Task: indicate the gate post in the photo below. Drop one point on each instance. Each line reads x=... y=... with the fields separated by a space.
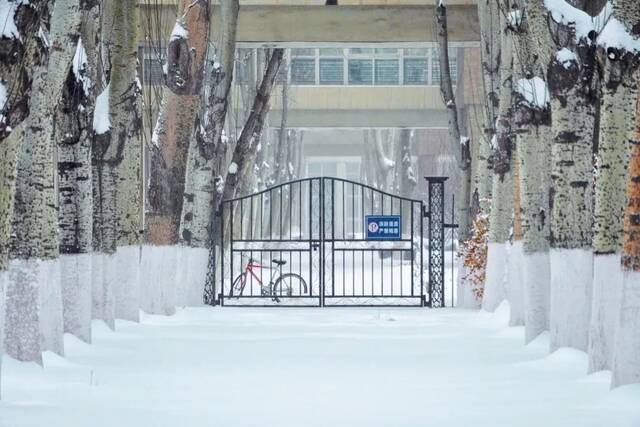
x=435 y=214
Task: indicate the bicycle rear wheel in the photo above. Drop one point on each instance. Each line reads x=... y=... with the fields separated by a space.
x=290 y=284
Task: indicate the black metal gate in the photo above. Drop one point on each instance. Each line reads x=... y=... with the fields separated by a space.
x=304 y=243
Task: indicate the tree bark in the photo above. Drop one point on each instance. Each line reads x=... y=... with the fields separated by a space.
x=33 y=294
x=116 y=170
x=245 y=151
x=186 y=54
x=532 y=124
x=489 y=17
x=626 y=366
x=503 y=186
x=207 y=152
x=74 y=137
x=571 y=67
x=617 y=109
x=459 y=144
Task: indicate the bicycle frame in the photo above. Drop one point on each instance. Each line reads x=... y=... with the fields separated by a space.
x=249 y=269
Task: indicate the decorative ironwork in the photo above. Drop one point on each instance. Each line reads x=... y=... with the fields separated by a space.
x=436 y=240
x=311 y=234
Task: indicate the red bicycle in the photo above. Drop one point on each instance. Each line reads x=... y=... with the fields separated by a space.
x=280 y=285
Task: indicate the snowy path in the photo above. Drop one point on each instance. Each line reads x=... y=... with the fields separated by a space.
x=313 y=367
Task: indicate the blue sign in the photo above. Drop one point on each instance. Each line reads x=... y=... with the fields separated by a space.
x=383 y=227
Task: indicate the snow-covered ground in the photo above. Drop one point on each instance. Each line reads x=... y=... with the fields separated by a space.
x=313 y=367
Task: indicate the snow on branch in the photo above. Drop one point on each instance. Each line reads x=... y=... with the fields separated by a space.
x=534 y=91
x=178 y=32
x=616 y=35
x=583 y=23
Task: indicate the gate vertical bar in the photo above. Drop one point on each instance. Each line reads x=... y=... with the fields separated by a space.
x=436 y=240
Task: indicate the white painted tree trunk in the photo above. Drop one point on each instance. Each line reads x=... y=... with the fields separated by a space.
x=35 y=211
x=74 y=136
x=117 y=171
x=205 y=158
x=571 y=66
x=533 y=127
x=502 y=190
x=617 y=110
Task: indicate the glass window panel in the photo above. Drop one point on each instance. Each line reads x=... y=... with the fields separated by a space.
x=303 y=52
x=360 y=51
x=360 y=71
x=387 y=72
x=415 y=71
x=416 y=52
x=153 y=73
x=331 y=71
x=386 y=51
x=331 y=52
x=303 y=71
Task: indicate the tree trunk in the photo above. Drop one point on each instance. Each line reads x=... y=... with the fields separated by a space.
x=244 y=155
x=532 y=122
x=514 y=278
x=19 y=55
x=33 y=293
x=619 y=92
x=207 y=151
x=503 y=186
x=186 y=54
x=626 y=365
x=459 y=144
x=74 y=136
x=489 y=17
x=570 y=66
x=116 y=170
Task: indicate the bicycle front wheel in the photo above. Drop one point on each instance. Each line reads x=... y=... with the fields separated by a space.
x=290 y=284
x=238 y=285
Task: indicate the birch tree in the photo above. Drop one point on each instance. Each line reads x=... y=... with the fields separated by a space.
x=532 y=123
x=489 y=18
x=502 y=189
x=618 y=63
x=21 y=50
x=33 y=300
x=563 y=40
x=116 y=170
x=186 y=53
x=626 y=365
x=74 y=137
x=205 y=158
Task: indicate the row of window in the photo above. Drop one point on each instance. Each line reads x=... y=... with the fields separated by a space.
x=358 y=66
x=333 y=66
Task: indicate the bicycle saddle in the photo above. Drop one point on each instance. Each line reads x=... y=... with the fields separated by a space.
x=279 y=261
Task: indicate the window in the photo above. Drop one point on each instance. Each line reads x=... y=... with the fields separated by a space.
x=153 y=58
x=303 y=71
x=387 y=72
x=435 y=66
x=416 y=66
x=331 y=71
x=303 y=66
x=360 y=71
